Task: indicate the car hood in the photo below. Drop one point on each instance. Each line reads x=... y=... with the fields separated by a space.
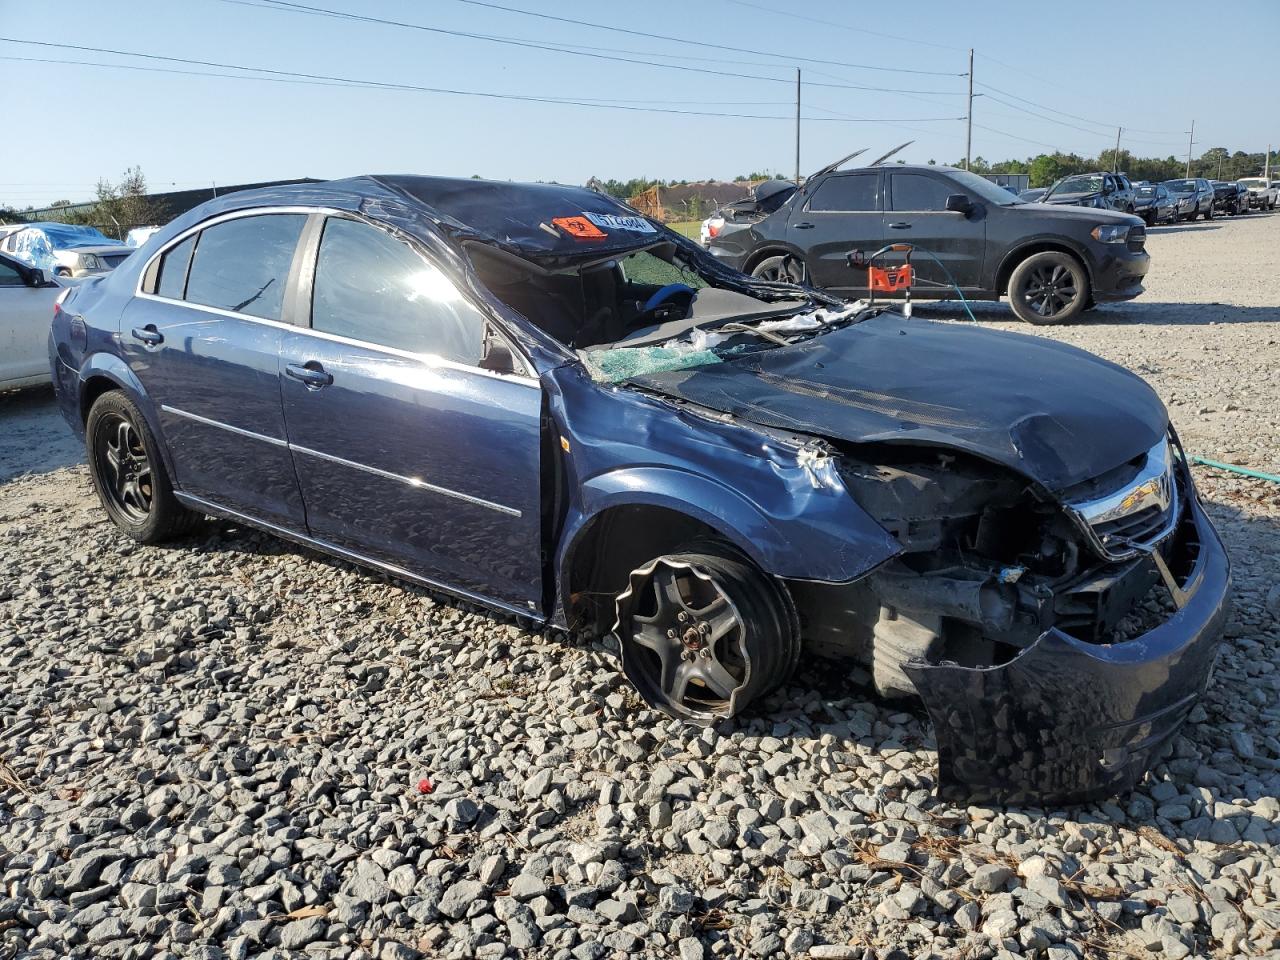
x=1069 y=211
x=1053 y=413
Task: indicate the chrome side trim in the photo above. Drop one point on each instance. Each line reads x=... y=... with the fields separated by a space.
x=239 y=431
x=386 y=474
x=409 y=481
x=325 y=547
x=428 y=358
x=222 y=218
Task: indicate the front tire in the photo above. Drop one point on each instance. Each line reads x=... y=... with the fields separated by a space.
x=780 y=269
x=1208 y=214
x=129 y=475
x=1050 y=287
x=703 y=634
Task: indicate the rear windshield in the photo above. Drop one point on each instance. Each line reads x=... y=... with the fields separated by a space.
x=1181 y=186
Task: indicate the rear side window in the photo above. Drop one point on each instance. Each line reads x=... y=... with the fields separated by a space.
x=912 y=191
x=371 y=287
x=848 y=192
x=242 y=265
x=173 y=269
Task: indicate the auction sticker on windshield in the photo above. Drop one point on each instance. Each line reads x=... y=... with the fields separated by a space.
x=614 y=222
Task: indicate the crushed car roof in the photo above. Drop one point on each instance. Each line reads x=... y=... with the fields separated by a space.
x=537 y=220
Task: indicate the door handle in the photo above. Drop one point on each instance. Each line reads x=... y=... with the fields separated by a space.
x=310 y=373
x=900 y=225
x=148 y=335
x=803 y=226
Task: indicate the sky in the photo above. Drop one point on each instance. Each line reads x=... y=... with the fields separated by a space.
x=1051 y=77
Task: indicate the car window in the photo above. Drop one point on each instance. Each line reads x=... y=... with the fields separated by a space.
x=848 y=192
x=173 y=269
x=913 y=191
x=9 y=275
x=644 y=267
x=243 y=264
x=372 y=287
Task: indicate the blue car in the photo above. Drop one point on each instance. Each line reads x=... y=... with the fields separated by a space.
x=532 y=397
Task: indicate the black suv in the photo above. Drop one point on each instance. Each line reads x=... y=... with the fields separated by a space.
x=1052 y=261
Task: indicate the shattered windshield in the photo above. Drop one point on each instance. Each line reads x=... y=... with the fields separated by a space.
x=1084 y=183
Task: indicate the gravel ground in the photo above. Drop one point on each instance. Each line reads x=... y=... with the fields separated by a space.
x=233 y=747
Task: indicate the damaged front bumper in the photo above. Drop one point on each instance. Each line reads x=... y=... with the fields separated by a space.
x=1067 y=721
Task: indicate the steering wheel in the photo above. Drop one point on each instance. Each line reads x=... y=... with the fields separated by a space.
x=667 y=303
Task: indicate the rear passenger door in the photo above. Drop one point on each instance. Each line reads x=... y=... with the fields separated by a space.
x=407 y=451
x=919 y=216
x=843 y=214
x=203 y=336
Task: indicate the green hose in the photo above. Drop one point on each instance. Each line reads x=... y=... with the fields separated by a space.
x=1218 y=465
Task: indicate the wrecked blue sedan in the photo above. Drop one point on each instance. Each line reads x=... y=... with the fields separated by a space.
x=531 y=397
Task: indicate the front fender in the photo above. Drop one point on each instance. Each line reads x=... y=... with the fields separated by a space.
x=807 y=527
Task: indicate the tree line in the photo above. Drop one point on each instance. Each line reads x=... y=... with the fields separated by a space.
x=115 y=209
x=1217 y=163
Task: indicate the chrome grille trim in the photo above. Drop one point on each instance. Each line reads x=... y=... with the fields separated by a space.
x=1138 y=515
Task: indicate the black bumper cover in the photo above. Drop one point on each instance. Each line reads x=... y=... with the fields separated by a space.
x=1067 y=721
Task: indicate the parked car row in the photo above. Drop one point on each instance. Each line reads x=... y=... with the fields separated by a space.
x=1167 y=202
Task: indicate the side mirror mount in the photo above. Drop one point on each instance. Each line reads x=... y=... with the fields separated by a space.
x=38 y=277
x=958 y=203
x=498 y=357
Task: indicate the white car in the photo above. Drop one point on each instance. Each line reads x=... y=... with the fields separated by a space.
x=27 y=295
x=1262 y=194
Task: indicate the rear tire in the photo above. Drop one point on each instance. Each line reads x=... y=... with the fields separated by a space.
x=780 y=269
x=129 y=475
x=702 y=634
x=1050 y=287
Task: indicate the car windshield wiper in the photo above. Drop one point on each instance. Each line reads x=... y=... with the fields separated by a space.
x=737 y=327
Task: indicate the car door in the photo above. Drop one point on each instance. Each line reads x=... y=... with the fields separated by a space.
x=917 y=214
x=843 y=214
x=25 y=315
x=203 y=336
x=408 y=453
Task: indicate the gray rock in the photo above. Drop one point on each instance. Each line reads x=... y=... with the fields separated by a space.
x=990 y=877
x=298 y=933
x=458 y=898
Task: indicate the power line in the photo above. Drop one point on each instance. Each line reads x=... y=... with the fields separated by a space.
x=700 y=43
x=286 y=76
x=1097 y=123
x=845 y=26
x=285 y=7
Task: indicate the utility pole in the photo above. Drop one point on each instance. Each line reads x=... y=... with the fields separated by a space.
x=1219 y=176
x=1190 y=141
x=968 y=120
x=797 y=126
x=1115 y=156
x=1266 y=164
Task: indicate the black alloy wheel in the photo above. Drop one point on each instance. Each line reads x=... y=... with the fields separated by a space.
x=780 y=269
x=701 y=635
x=129 y=475
x=1049 y=287
x=124 y=467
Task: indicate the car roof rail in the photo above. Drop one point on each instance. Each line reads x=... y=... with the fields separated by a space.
x=881 y=159
x=831 y=166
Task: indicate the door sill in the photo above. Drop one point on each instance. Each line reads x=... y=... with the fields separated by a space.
x=204 y=506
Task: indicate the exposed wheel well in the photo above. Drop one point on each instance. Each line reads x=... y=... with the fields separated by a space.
x=614 y=543
x=760 y=256
x=1012 y=260
x=94 y=387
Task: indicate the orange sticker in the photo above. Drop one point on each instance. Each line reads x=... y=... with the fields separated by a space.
x=580 y=228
